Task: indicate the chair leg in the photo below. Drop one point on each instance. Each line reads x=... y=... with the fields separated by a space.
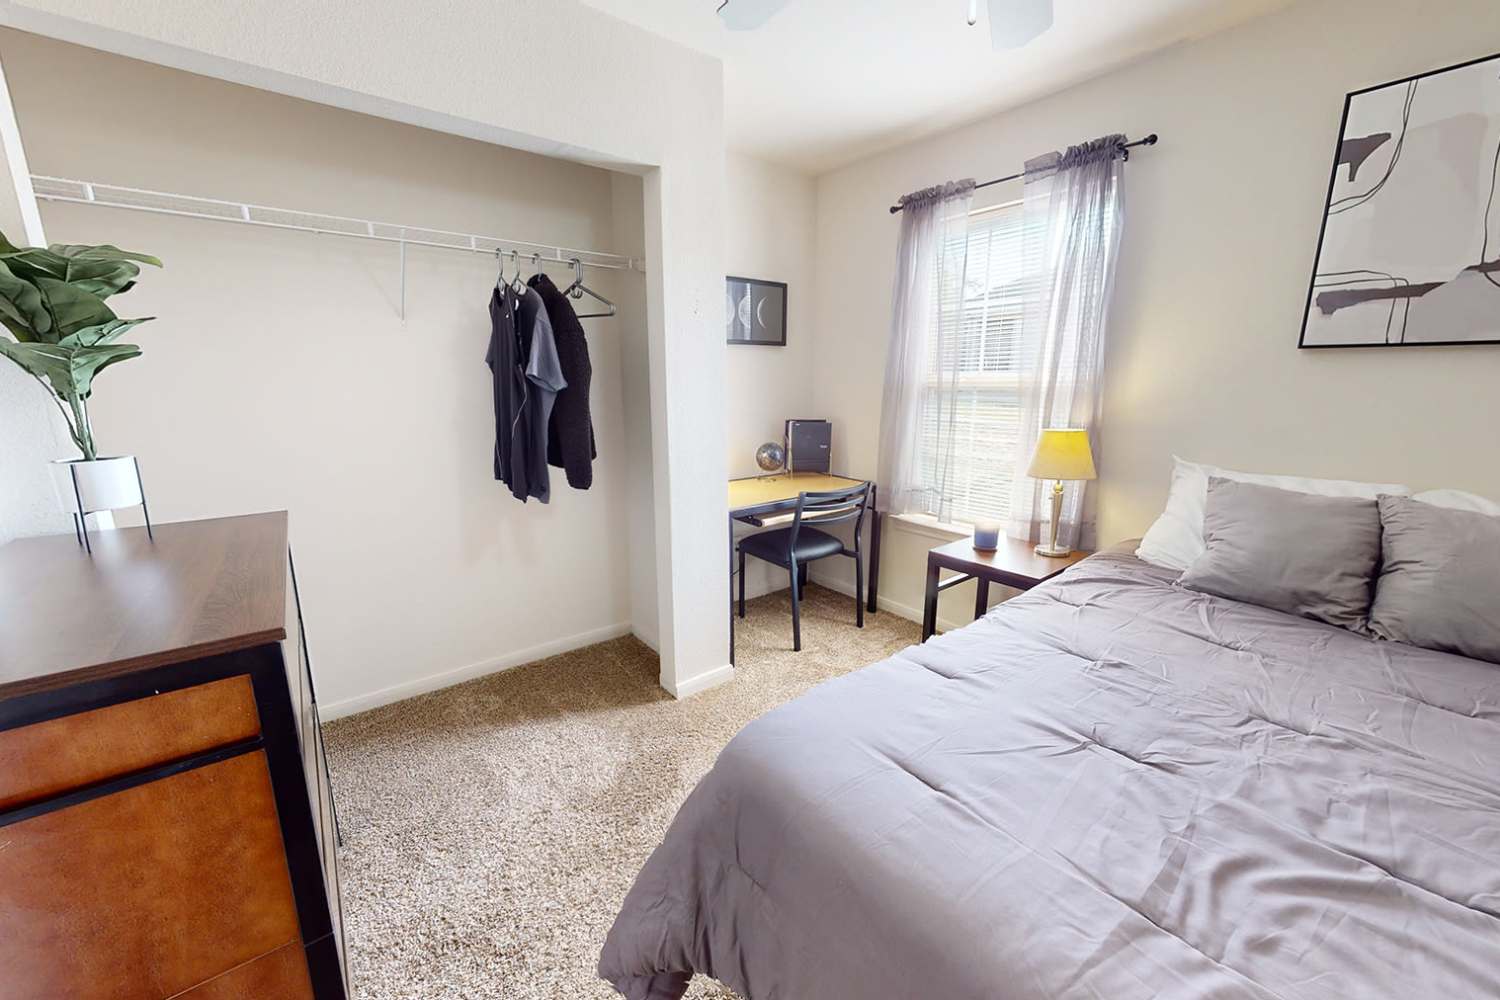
x=742 y=583
x=859 y=590
x=796 y=610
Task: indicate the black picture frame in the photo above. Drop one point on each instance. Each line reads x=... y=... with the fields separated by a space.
x=772 y=293
x=1328 y=202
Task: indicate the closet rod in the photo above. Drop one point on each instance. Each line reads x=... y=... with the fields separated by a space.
x=1124 y=152
x=194 y=207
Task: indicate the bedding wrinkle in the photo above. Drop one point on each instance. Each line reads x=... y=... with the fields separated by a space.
x=1107 y=787
x=1258 y=989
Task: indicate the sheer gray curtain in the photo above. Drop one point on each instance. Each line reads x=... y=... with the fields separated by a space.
x=1073 y=216
x=931 y=220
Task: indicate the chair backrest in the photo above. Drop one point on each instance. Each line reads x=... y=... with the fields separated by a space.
x=831 y=507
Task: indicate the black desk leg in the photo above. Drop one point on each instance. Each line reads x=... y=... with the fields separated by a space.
x=981 y=597
x=731 y=591
x=874 y=556
x=929 y=601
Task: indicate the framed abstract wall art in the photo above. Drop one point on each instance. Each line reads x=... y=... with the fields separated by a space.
x=1410 y=248
x=755 y=311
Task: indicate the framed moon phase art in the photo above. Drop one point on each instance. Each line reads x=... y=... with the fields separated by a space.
x=1410 y=248
x=755 y=311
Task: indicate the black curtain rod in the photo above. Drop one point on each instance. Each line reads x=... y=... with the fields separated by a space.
x=1125 y=148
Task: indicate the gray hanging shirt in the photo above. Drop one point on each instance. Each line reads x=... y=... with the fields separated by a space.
x=544 y=373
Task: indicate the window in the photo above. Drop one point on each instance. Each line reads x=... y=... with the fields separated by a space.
x=970 y=410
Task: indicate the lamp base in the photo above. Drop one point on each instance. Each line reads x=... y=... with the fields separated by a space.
x=1052 y=551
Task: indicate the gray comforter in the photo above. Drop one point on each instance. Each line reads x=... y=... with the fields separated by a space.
x=1109 y=788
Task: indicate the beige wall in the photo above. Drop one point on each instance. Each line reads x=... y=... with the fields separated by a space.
x=770 y=213
x=279 y=373
x=1221 y=228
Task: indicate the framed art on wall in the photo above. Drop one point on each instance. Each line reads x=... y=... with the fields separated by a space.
x=1409 y=253
x=755 y=311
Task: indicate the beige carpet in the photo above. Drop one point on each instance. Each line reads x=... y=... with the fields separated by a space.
x=492 y=829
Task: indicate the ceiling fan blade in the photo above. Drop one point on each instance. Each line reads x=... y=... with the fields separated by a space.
x=1013 y=23
x=747 y=15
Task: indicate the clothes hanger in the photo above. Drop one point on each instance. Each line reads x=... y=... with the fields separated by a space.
x=578 y=290
x=516 y=283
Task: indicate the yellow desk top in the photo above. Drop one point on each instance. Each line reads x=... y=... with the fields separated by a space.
x=759 y=490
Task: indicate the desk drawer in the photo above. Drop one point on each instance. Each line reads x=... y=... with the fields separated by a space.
x=48 y=758
x=147 y=892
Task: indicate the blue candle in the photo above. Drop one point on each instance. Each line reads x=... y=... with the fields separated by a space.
x=986 y=535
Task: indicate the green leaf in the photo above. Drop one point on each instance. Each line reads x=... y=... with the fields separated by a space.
x=104 y=333
x=103 y=277
x=21 y=331
x=102 y=252
x=87 y=362
x=30 y=262
x=46 y=361
x=70 y=370
x=24 y=306
x=71 y=306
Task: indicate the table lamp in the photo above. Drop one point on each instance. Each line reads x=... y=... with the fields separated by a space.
x=1062 y=455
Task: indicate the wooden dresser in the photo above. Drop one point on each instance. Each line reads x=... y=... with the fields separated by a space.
x=166 y=824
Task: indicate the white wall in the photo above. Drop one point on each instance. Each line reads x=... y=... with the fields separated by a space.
x=570 y=82
x=629 y=295
x=1222 y=225
x=35 y=432
x=279 y=374
x=770 y=215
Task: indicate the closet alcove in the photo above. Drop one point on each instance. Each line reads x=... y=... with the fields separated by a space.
x=374 y=429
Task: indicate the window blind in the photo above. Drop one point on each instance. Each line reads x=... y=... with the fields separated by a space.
x=971 y=401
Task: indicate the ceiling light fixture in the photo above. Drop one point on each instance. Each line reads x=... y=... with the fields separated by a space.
x=747 y=15
x=1013 y=23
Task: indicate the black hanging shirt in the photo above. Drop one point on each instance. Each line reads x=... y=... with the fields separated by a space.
x=504 y=359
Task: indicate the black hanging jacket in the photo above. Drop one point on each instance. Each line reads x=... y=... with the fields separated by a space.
x=570 y=436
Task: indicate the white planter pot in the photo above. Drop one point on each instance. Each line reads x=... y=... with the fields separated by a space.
x=103 y=484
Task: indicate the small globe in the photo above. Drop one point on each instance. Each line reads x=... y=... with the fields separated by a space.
x=770 y=456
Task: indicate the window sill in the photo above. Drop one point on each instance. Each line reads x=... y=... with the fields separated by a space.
x=926 y=524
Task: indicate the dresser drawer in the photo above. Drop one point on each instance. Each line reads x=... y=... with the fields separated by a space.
x=281 y=975
x=45 y=759
x=148 y=892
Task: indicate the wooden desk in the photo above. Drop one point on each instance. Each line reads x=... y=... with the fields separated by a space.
x=1013 y=564
x=759 y=499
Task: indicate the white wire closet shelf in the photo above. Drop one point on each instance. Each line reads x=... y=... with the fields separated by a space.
x=243 y=213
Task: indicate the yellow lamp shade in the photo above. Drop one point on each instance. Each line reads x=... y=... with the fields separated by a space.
x=1063 y=454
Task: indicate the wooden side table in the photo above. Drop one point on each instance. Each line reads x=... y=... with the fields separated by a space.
x=1013 y=564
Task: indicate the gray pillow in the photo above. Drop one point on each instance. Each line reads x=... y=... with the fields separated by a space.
x=1439 y=586
x=1306 y=555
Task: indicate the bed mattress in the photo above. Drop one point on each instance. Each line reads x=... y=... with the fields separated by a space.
x=1108 y=788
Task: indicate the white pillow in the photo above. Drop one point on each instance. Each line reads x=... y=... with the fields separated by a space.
x=1176 y=539
x=1458 y=500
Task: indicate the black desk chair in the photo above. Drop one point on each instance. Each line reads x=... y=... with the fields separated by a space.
x=794 y=547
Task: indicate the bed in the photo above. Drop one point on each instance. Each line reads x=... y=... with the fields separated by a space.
x=1107 y=788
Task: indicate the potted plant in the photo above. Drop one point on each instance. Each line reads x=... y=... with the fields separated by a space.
x=52 y=302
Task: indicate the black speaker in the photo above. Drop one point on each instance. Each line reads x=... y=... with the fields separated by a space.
x=809 y=446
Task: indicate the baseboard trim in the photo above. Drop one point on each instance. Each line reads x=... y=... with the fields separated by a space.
x=906 y=611
x=448 y=678
x=690 y=686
